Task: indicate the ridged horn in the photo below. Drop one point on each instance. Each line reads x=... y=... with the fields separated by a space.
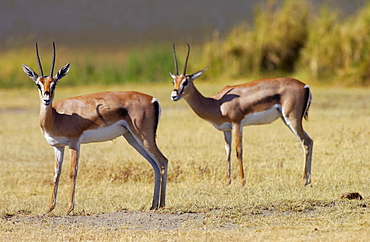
x=186 y=60
x=38 y=60
x=52 y=61
x=175 y=59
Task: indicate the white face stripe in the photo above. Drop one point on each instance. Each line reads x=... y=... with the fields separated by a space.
x=46 y=96
x=181 y=89
x=176 y=93
x=41 y=86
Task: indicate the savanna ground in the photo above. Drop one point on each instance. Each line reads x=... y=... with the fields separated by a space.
x=114 y=185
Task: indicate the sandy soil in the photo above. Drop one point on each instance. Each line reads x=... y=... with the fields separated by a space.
x=121 y=219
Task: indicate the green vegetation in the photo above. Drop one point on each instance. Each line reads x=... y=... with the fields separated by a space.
x=112 y=176
x=91 y=66
x=289 y=39
x=293 y=40
x=272 y=44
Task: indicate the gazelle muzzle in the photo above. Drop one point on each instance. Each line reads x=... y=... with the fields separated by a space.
x=175 y=95
x=46 y=98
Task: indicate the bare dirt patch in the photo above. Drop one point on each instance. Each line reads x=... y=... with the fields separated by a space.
x=133 y=220
x=173 y=220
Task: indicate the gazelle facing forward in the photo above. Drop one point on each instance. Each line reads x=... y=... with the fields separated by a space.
x=253 y=103
x=94 y=118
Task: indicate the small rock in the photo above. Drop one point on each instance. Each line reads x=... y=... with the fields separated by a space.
x=351 y=196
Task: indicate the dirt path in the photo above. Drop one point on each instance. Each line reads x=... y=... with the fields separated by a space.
x=122 y=219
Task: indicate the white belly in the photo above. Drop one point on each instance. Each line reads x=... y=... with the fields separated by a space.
x=54 y=140
x=264 y=117
x=93 y=135
x=104 y=134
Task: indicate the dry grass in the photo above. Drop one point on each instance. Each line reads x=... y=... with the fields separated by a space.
x=272 y=206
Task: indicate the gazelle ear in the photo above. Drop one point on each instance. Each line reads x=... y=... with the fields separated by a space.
x=172 y=75
x=30 y=73
x=197 y=74
x=62 y=72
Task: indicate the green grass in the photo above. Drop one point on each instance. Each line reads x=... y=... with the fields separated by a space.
x=287 y=39
x=90 y=65
x=324 y=46
x=271 y=206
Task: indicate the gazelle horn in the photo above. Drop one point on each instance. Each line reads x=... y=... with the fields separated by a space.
x=186 y=60
x=175 y=59
x=38 y=60
x=53 y=61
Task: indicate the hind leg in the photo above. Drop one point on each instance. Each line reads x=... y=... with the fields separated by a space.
x=238 y=133
x=295 y=125
x=227 y=137
x=161 y=161
x=153 y=155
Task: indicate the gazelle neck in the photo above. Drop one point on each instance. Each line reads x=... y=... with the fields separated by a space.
x=205 y=107
x=46 y=116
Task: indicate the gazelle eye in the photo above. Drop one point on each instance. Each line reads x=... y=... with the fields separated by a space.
x=185 y=83
x=52 y=86
x=39 y=86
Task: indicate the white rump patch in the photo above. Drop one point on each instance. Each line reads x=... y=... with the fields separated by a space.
x=159 y=107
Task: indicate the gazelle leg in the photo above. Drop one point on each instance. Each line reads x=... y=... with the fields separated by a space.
x=73 y=170
x=164 y=168
x=157 y=173
x=163 y=165
x=161 y=161
x=307 y=144
x=295 y=125
x=238 y=133
x=59 y=154
x=227 y=137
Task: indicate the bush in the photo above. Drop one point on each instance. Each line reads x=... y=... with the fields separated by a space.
x=291 y=39
x=273 y=44
x=339 y=48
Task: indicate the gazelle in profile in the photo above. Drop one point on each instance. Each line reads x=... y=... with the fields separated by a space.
x=94 y=118
x=253 y=103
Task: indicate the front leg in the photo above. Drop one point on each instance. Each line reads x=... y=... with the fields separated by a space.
x=238 y=132
x=227 y=137
x=74 y=153
x=59 y=154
